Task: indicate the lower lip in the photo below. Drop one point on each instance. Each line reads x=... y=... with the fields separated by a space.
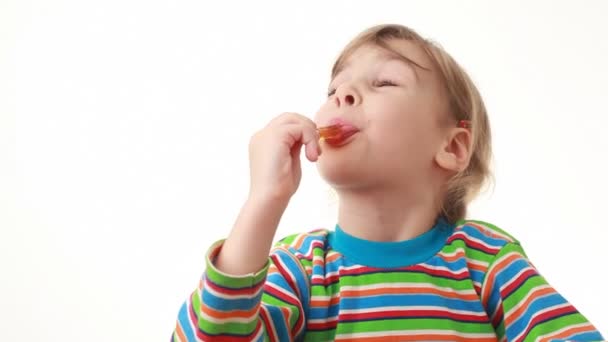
x=344 y=139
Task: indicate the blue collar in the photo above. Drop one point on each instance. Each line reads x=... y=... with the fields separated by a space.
x=391 y=254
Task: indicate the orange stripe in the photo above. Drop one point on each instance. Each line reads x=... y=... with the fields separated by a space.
x=477 y=267
x=569 y=332
x=180 y=332
x=407 y=290
x=286 y=315
x=490 y=232
x=458 y=255
x=297 y=243
x=485 y=296
x=517 y=313
x=228 y=314
x=333 y=257
x=329 y=259
x=324 y=303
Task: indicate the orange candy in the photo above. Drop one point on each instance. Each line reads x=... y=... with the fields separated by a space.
x=332 y=131
x=333 y=134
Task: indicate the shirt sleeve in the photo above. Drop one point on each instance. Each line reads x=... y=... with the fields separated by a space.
x=524 y=307
x=268 y=305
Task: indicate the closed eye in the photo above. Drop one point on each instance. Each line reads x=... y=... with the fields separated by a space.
x=379 y=83
x=384 y=83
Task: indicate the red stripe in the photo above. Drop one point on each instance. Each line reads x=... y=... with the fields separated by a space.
x=222 y=338
x=441 y=273
x=477 y=288
x=498 y=316
x=325 y=281
x=280 y=295
x=268 y=322
x=362 y=270
x=516 y=283
x=289 y=300
x=322 y=326
x=464 y=274
x=548 y=316
x=244 y=291
x=285 y=273
x=474 y=244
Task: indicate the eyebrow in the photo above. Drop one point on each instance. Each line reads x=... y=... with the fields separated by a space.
x=391 y=56
x=408 y=62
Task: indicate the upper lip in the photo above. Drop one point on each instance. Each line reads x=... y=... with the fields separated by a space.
x=341 y=121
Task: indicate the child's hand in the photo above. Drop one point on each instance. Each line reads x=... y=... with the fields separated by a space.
x=274 y=156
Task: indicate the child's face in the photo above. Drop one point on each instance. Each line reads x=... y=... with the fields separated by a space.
x=401 y=112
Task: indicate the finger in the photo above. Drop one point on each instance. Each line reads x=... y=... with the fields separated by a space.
x=307 y=136
x=290 y=118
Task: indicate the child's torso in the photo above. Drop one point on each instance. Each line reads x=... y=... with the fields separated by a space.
x=435 y=300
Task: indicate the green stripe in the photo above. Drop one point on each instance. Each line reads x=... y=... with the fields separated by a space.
x=273 y=301
x=316 y=336
x=556 y=324
x=235 y=282
x=410 y=277
x=469 y=252
x=524 y=289
x=414 y=324
x=232 y=328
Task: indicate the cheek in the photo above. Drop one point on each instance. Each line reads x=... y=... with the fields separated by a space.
x=395 y=115
x=406 y=128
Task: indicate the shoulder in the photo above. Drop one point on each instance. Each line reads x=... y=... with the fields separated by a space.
x=303 y=245
x=481 y=236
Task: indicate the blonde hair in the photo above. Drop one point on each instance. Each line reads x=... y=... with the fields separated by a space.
x=464 y=101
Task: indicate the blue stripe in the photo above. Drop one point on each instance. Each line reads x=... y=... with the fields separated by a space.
x=538 y=304
x=586 y=336
x=221 y=304
x=453 y=266
x=324 y=312
x=184 y=321
x=511 y=270
x=277 y=318
x=301 y=280
x=479 y=235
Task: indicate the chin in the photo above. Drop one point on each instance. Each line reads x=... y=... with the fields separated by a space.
x=343 y=170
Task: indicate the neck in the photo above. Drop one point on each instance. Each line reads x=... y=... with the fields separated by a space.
x=386 y=215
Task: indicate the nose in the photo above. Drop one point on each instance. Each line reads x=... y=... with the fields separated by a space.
x=347 y=96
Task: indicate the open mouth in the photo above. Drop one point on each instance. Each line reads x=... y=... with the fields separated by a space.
x=337 y=134
x=341 y=139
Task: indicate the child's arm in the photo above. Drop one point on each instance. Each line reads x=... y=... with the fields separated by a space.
x=267 y=305
x=524 y=307
x=227 y=305
x=275 y=172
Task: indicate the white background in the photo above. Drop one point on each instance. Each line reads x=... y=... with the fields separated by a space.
x=124 y=130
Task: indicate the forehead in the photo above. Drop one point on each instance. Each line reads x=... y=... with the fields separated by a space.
x=400 y=50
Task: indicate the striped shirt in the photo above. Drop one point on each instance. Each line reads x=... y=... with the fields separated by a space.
x=470 y=281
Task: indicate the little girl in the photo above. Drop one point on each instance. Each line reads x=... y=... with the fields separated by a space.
x=401 y=264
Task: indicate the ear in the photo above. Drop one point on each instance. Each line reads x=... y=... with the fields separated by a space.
x=455 y=152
